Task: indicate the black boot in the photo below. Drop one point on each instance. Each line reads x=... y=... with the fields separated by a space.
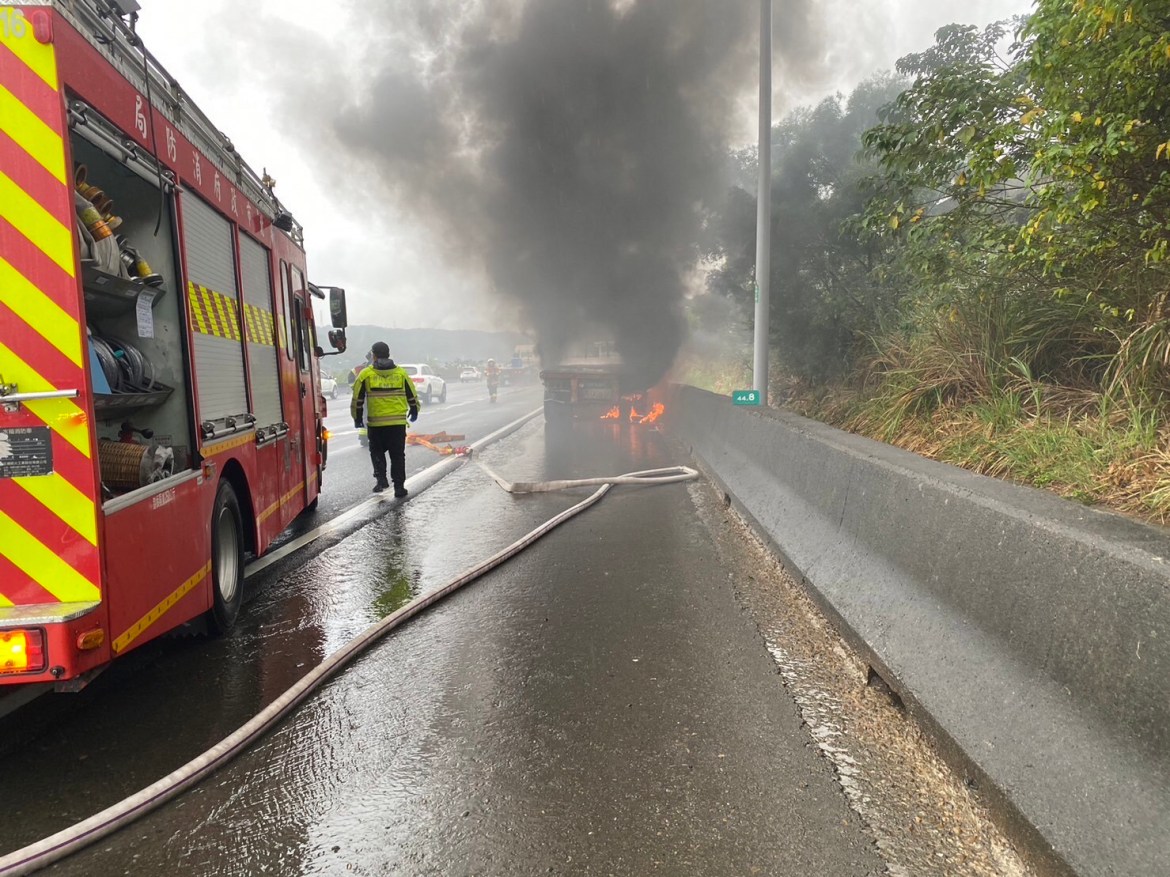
x=381 y=485
x=400 y=491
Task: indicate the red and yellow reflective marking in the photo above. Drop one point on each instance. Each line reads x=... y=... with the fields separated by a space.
x=213 y=312
x=48 y=523
x=39 y=59
x=32 y=135
x=48 y=318
x=138 y=627
x=284 y=500
x=216 y=314
x=65 y=501
x=38 y=561
x=212 y=450
x=260 y=325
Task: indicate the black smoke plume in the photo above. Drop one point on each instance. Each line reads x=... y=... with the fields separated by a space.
x=566 y=149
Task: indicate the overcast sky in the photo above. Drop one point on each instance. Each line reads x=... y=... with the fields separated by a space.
x=298 y=86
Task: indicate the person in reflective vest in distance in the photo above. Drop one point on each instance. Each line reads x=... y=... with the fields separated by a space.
x=491 y=371
x=387 y=395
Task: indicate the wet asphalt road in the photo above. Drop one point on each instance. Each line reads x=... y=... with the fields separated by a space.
x=599 y=705
x=348 y=472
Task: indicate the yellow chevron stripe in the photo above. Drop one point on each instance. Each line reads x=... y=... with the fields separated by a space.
x=39 y=562
x=158 y=611
x=197 y=309
x=235 y=327
x=4 y=601
x=208 y=299
x=62 y=415
x=36 y=224
x=263 y=334
x=247 y=312
x=220 y=304
x=31 y=134
x=255 y=324
x=37 y=56
x=261 y=326
x=40 y=312
x=66 y=502
x=214 y=321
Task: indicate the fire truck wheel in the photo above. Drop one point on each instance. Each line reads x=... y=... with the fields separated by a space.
x=227 y=560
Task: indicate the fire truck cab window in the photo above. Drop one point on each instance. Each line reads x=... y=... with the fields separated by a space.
x=286 y=300
x=303 y=342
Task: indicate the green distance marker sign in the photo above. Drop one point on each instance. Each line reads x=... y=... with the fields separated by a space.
x=745 y=397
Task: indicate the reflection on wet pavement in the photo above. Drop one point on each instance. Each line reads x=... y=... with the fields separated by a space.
x=597 y=705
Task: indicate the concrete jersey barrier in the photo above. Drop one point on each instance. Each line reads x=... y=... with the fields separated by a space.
x=1030 y=632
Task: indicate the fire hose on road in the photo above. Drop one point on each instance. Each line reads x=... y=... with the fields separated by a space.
x=68 y=841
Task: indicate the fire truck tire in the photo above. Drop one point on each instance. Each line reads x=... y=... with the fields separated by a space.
x=227 y=560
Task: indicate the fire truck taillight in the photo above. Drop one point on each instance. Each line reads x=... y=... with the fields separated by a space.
x=326 y=435
x=22 y=651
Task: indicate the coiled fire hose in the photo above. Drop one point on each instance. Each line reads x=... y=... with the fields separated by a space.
x=44 y=852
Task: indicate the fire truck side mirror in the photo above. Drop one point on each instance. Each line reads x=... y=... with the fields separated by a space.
x=337 y=312
x=337 y=339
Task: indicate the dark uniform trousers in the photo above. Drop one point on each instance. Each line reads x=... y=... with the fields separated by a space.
x=388 y=440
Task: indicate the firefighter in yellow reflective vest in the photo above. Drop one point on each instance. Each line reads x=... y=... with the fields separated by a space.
x=389 y=397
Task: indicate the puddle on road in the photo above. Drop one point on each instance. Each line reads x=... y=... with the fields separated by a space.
x=924 y=820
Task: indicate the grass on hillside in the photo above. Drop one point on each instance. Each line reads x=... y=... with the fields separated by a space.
x=1076 y=445
x=1067 y=441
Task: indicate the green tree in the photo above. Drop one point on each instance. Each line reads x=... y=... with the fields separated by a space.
x=825 y=292
x=951 y=195
x=1100 y=74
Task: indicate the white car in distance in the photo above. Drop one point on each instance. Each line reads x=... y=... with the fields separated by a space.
x=328 y=386
x=430 y=386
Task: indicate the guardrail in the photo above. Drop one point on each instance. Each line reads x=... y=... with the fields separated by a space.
x=1030 y=633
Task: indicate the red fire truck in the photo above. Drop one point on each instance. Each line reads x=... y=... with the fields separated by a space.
x=159 y=411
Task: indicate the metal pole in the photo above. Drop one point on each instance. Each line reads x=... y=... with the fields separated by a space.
x=764 y=208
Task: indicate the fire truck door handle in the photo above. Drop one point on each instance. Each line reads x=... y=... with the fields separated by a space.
x=10 y=399
x=303 y=390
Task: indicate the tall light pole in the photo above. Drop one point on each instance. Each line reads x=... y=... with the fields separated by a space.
x=764 y=208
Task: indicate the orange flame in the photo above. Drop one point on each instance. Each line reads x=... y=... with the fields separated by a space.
x=612 y=414
x=654 y=414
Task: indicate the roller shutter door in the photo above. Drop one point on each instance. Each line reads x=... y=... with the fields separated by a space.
x=211 y=291
x=260 y=330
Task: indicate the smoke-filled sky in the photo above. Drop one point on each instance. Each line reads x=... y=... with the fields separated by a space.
x=519 y=164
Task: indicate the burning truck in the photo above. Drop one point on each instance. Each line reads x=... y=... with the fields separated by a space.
x=595 y=388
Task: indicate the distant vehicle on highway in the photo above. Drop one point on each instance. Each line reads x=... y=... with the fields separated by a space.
x=428 y=384
x=328 y=386
x=469 y=374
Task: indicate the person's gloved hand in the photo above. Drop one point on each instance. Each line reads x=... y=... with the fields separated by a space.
x=357 y=423
x=413 y=415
